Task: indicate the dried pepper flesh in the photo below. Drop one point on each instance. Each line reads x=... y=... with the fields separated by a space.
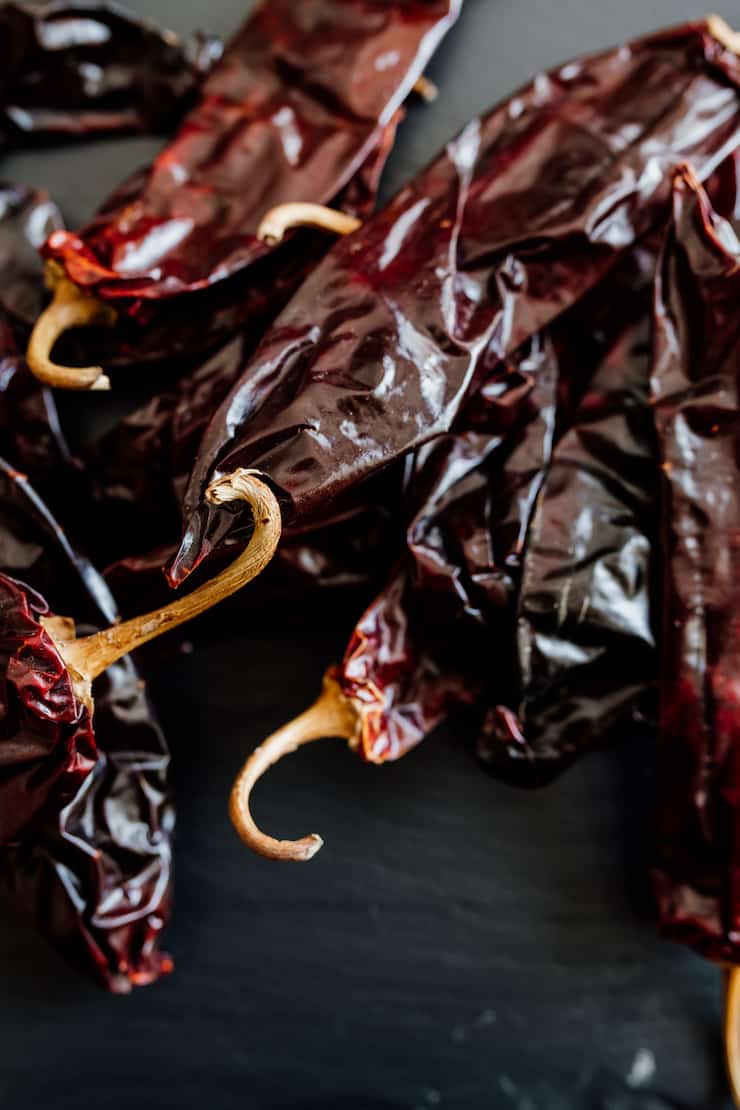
x=85 y=819
x=520 y=216
x=304 y=97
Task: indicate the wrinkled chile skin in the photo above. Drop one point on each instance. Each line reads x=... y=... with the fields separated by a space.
x=409 y=304
x=139 y=470
x=540 y=498
x=292 y=111
x=695 y=386
x=47 y=745
x=92 y=867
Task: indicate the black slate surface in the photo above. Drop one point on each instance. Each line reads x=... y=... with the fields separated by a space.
x=457 y=943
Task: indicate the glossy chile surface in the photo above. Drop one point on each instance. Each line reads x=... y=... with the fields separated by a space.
x=695 y=387
x=93 y=870
x=523 y=213
x=48 y=673
x=77 y=69
x=486 y=505
x=139 y=470
x=30 y=431
x=302 y=98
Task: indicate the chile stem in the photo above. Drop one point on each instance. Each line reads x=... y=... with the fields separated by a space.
x=70 y=308
x=277 y=221
x=732 y=1031
x=720 y=30
x=330 y=715
x=89 y=657
x=426 y=89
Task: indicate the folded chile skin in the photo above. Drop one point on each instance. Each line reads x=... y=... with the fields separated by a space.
x=302 y=98
x=585 y=658
x=83 y=69
x=524 y=212
x=695 y=386
x=139 y=470
x=47 y=744
x=522 y=523
x=92 y=863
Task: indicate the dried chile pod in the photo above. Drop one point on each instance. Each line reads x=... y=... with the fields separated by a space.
x=30 y=430
x=440 y=634
x=94 y=874
x=47 y=673
x=585 y=661
x=82 y=69
x=697 y=413
x=302 y=97
x=524 y=212
x=139 y=470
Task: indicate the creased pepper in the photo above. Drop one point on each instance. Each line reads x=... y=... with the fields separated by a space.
x=304 y=96
x=520 y=216
x=695 y=387
x=528 y=528
x=93 y=869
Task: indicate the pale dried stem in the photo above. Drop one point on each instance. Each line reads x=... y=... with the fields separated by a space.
x=732 y=1031
x=426 y=89
x=70 y=308
x=720 y=30
x=332 y=714
x=89 y=657
x=277 y=221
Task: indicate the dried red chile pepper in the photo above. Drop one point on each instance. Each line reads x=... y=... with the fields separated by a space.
x=295 y=108
x=514 y=222
x=94 y=869
x=551 y=459
x=84 y=819
x=76 y=69
x=697 y=413
x=695 y=386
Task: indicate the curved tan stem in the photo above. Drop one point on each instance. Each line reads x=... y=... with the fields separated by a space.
x=732 y=1031
x=277 y=221
x=720 y=30
x=426 y=89
x=70 y=308
x=330 y=715
x=89 y=657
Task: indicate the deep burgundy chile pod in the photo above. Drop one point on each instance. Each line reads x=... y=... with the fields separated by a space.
x=304 y=95
x=695 y=387
x=485 y=506
x=85 y=815
x=82 y=766
x=521 y=214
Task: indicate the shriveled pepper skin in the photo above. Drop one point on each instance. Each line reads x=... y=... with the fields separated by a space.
x=139 y=470
x=85 y=819
x=524 y=212
x=695 y=382
x=302 y=98
x=585 y=662
x=524 y=576
x=47 y=745
x=82 y=69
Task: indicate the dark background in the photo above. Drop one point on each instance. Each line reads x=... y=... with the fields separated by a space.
x=457 y=943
